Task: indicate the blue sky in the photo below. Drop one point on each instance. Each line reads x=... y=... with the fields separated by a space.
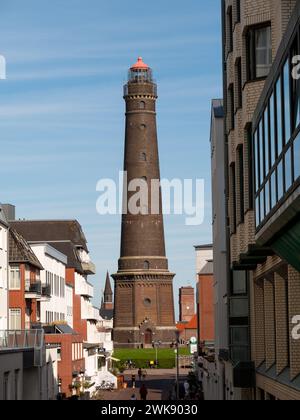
x=62 y=111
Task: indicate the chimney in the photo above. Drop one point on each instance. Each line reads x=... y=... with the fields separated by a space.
x=9 y=211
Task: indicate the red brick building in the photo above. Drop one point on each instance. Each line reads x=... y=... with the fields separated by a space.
x=186 y=303
x=205 y=295
x=25 y=288
x=188 y=329
x=71 y=362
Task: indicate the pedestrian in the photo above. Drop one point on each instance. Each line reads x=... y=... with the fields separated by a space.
x=133 y=380
x=186 y=388
x=140 y=374
x=143 y=392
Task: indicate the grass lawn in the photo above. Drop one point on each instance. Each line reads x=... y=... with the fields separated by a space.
x=141 y=357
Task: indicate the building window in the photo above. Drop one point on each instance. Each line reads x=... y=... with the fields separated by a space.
x=231 y=121
x=233 y=198
x=278 y=93
x=250 y=167
x=287 y=101
x=238 y=10
x=239 y=283
x=259 y=48
x=14 y=278
x=15 y=321
x=230 y=30
x=146 y=265
x=17 y=381
x=143 y=157
x=297 y=157
x=239 y=82
x=142 y=105
x=6 y=386
x=147 y=302
x=241 y=200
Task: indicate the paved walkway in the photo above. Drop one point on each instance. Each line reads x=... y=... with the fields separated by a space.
x=158 y=382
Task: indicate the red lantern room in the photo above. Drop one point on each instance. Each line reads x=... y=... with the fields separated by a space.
x=140 y=73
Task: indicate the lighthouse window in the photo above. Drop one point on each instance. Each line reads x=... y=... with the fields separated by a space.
x=143 y=126
x=147 y=302
x=142 y=105
x=146 y=265
x=144 y=157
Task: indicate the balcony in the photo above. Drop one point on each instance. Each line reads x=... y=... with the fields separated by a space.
x=33 y=290
x=91 y=314
x=86 y=290
x=31 y=342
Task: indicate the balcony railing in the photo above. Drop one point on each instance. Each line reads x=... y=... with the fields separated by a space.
x=24 y=340
x=34 y=288
x=46 y=290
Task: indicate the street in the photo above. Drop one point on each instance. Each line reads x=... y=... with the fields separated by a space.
x=159 y=382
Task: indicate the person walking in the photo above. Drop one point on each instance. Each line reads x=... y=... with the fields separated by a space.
x=186 y=388
x=140 y=374
x=143 y=392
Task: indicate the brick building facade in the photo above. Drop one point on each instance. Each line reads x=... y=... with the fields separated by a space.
x=253 y=31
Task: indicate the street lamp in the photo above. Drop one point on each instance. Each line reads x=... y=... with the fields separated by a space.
x=156 y=345
x=177 y=364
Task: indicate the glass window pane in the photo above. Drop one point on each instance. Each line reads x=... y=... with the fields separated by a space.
x=262 y=205
x=266 y=137
x=239 y=280
x=279 y=117
x=239 y=335
x=287 y=107
x=257 y=211
x=273 y=190
x=256 y=146
x=288 y=169
x=280 y=180
x=267 y=197
x=263 y=54
x=297 y=157
x=261 y=153
x=272 y=129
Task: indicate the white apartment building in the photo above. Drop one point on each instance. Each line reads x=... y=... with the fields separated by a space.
x=3 y=271
x=56 y=308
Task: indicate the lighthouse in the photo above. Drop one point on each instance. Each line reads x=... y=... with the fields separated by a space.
x=144 y=302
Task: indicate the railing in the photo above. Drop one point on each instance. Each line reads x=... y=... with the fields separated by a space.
x=35 y=287
x=24 y=340
x=46 y=290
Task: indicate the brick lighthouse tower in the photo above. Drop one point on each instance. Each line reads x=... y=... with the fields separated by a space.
x=144 y=304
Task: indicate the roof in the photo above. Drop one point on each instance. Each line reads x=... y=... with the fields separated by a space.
x=59 y=329
x=107 y=314
x=108 y=289
x=20 y=251
x=51 y=230
x=64 y=235
x=207 y=246
x=191 y=325
x=208 y=268
x=139 y=65
x=2 y=217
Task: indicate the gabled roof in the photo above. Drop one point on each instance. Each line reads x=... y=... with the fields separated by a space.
x=64 y=235
x=52 y=230
x=191 y=325
x=20 y=251
x=3 y=220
